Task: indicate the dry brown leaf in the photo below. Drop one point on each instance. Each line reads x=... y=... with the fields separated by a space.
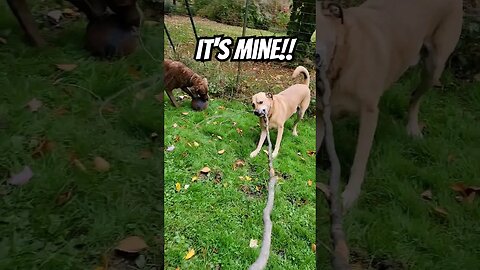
x=221 y=107
x=471 y=197
x=101 y=165
x=196 y=144
x=309 y=182
x=175 y=125
x=145 y=154
x=131 y=244
x=63 y=198
x=205 y=170
x=134 y=73
x=60 y=111
x=3 y=41
x=440 y=211
x=34 y=104
x=238 y=164
x=66 y=67
x=311 y=153
x=185 y=113
x=314 y=247
x=239 y=131
x=221 y=152
x=253 y=243
x=427 y=195
x=79 y=165
x=176 y=139
x=190 y=254
x=43 y=147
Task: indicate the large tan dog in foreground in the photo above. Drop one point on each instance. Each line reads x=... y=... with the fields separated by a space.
x=280 y=107
x=367 y=48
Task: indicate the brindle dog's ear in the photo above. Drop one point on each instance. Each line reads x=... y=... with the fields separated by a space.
x=269 y=95
x=336 y=10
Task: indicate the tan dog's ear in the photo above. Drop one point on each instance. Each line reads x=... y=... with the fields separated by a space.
x=336 y=10
x=269 y=95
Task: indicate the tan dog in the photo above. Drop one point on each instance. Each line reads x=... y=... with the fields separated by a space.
x=279 y=108
x=367 y=48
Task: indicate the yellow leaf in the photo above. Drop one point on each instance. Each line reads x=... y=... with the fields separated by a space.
x=190 y=254
x=248 y=178
x=185 y=113
x=196 y=144
x=219 y=137
x=178 y=186
x=221 y=152
x=194 y=178
x=309 y=183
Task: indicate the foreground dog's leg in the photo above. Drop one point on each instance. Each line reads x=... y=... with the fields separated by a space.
x=263 y=136
x=277 y=143
x=320 y=133
x=299 y=117
x=172 y=98
x=24 y=16
x=368 y=124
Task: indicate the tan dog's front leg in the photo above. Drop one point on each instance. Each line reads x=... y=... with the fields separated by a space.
x=277 y=143
x=368 y=124
x=263 y=136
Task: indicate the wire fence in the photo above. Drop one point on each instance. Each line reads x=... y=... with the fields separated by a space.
x=238 y=18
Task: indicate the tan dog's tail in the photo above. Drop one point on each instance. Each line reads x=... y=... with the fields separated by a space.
x=303 y=70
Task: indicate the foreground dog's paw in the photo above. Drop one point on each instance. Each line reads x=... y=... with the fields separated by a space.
x=254 y=154
x=274 y=154
x=349 y=197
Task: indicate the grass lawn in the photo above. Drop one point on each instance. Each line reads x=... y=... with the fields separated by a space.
x=219 y=214
x=65 y=217
x=392 y=225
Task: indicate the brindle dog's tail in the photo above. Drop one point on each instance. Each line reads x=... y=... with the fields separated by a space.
x=305 y=73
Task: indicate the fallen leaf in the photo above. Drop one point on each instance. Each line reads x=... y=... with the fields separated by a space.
x=55 y=15
x=178 y=268
x=140 y=95
x=239 y=131
x=63 y=198
x=253 y=243
x=131 y=244
x=309 y=182
x=178 y=187
x=186 y=186
x=145 y=154
x=66 y=67
x=3 y=41
x=248 y=178
x=134 y=73
x=190 y=254
x=34 y=104
x=265 y=151
x=175 y=125
x=79 y=165
x=441 y=211
x=176 y=139
x=140 y=261
x=221 y=152
x=311 y=153
x=205 y=170
x=22 y=177
x=185 y=113
x=325 y=189
x=170 y=148
x=238 y=164
x=314 y=248
x=221 y=108
x=234 y=123
x=60 y=111
x=471 y=197
x=194 y=178
x=427 y=195
x=101 y=165
x=219 y=137
x=43 y=147
x=69 y=11
x=450 y=158
x=196 y=144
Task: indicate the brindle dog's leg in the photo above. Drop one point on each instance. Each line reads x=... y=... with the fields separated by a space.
x=171 y=97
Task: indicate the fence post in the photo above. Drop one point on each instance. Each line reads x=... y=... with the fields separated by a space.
x=243 y=34
x=187 y=5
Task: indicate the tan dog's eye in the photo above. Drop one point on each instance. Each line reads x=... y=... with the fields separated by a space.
x=260 y=102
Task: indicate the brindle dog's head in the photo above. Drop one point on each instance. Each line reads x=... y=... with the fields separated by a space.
x=261 y=103
x=329 y=21
x=200 y=88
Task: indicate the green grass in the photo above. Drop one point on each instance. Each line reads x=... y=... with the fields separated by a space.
x=104 y=207
x=391 y=222
x=218 y=217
